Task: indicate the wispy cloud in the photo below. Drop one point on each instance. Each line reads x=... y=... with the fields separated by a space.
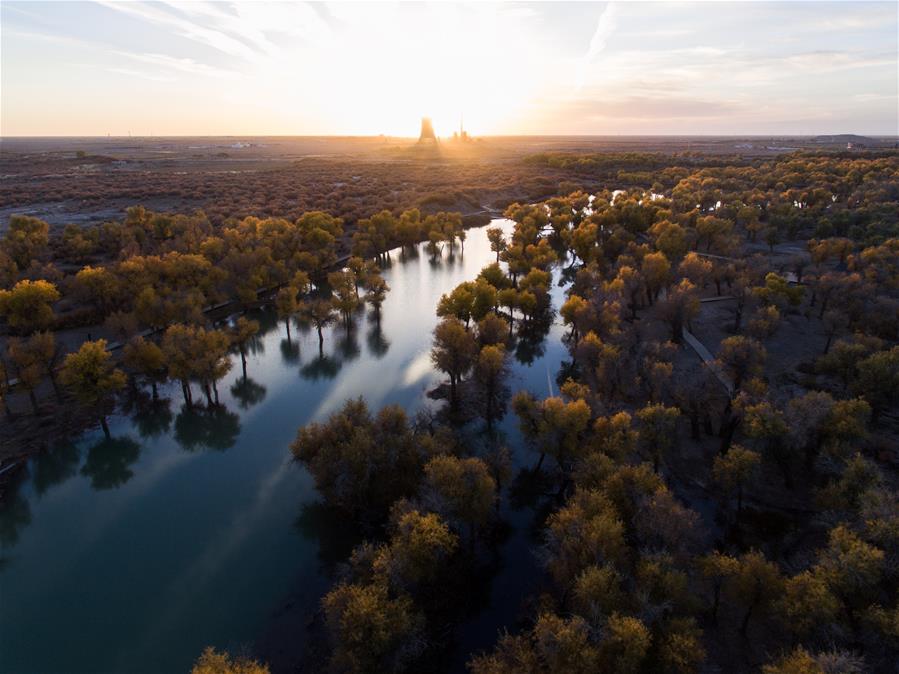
x=186 y=65
x=182 y=27
x=605 y=26
x=140 y=74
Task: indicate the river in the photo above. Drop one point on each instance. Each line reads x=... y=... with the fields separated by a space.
x=190 y=529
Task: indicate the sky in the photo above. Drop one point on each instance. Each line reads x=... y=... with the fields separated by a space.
x=292 y=68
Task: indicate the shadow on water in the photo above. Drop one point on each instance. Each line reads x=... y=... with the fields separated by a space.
x=206 y=428
x=108 y=463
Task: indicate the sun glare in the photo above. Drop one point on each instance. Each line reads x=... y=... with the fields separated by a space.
x=385 y=73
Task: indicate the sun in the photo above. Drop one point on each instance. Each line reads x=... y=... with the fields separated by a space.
x=384 y=75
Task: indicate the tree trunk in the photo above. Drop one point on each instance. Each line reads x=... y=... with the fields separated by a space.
x=155 y=391
x=105 y=426
x=243 y=363
x=287 y=325
x=33 y=402
x=208 y=392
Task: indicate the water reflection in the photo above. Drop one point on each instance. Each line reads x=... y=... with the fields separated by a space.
x=329 y=528
x=290 y=351
x=15 y=516
x=210 y=428
x=248 y=392
x=226 y=534
x=108 y=463
x=153 y=419
x=322 y=367
x=55 y=466
x=377 y=341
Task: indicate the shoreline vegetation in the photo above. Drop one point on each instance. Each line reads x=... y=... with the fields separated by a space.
x=682 y=524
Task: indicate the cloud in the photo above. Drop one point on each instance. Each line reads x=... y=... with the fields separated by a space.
x=141 y=74
x=186 y=65
x=653 y=108
x=830 y=60
x=183 y=27
x=605 y=26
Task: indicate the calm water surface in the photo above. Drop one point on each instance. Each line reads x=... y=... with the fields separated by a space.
x=191 y=529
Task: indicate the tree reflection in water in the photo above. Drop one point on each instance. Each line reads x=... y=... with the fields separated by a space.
x=108 y=463
x=212 y=428
x=323 y=367
x=335 y=534
x=15 y=515
x=248 y=392
x=348 y=344
x=290 y=351
x=55 y=466
x=531 y=338
x=377 y=342
x=153 y=419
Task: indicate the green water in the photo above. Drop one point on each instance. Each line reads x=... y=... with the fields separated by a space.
x=194 y=529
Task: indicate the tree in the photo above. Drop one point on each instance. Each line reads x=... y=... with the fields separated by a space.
x=492 y=330
x=625 y=644
x=575 y=312
x=420 y=546
x=39 y=351
x=655 y=270
x=346 y=301
x=851 y=568
x=454 y=352
x=734 y=470
x=286 y=304
x=756 y=584
x=90 y=374
x=878 y=379
x=497 y=240
x=321 y=313
x=213 y=363
x=376 y=292
x=490 y=371
x=98 y=286
x=362 y=463
x=680 y=307
x=460 y=490
x=741 y=357
x=717 y=569
x=28 y=306
x=147 y=359
x=213 y=662
x=658 y=431
x=26 y=238
x=370 y=630
x=587 y=531
x=807 y=603
x=553 y=426
x=242 y=334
